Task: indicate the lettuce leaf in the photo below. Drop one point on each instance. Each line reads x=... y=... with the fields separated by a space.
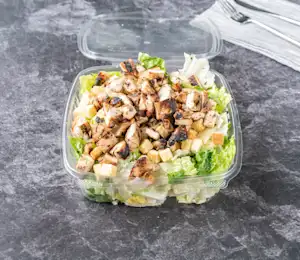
x=221 y=96
x=179 y=168
x=78 y=145
x=216 y=160
x=87 y=82
x=149 y=62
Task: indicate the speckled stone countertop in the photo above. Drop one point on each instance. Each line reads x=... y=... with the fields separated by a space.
x=43 y=214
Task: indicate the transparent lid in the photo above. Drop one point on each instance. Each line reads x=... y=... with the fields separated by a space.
x=116 y=37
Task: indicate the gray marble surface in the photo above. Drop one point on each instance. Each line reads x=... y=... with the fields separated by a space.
x=44 y=216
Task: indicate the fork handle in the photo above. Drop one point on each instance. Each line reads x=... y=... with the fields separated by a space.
x=275 y=32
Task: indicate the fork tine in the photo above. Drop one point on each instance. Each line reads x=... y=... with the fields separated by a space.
x=230 y=6
x=225 y=7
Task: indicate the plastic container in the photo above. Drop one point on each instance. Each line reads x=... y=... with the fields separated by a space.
x=119 y=37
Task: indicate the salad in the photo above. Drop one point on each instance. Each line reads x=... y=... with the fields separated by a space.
x=139 y=132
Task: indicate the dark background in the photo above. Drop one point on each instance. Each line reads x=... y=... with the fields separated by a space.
x=42 y=212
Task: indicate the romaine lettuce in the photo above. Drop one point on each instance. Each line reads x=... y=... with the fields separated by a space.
x=149 y=62
x=78 y=145
x=216 y=160
x=221 y=96
x=87 y=82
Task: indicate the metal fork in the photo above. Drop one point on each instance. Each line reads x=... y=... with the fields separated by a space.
x=239 y=17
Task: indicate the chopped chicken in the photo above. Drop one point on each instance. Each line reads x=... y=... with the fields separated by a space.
x=119 y=130
x=179 y=135
x=101 y=78
x=116 y=101
x=146 y=88
x=115 y=84
x=128 y=111
x=128 y=67
x=132 y=137
x=149 y=106
x=210 y=119
x=197 y=116
x=167 y=108
x=107 y=142
x=130 y=86
x=183 y=122
x=142 y=103
x=85 y=163
x=142 y=167
x=152 y=134
x=109 y=159
x=181 y=97
x=120 y=150
x=135 y=98
x=160 y=144
x=165 y=92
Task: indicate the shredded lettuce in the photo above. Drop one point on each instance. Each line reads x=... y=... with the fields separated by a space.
x=87 y=82
x=179 y=168
x=133 y=156
x=216 y=160
x=221 y=96
x=149 y=62
x=78 y=145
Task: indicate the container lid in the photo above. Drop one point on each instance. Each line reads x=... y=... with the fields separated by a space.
x=117 y=37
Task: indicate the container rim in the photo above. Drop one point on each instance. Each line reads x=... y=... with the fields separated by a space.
x=221 y=179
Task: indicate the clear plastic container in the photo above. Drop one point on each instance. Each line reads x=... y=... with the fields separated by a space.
x=157 y=38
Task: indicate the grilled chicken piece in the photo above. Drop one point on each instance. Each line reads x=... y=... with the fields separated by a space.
x=165 y=92
x=187 y=122
x=112 y=115
x=146 y=88
x=135 y=98
x=120 y=150
x=123 y=97
x=97 y=132
x=180 y=134
x=197 y=116
x=210 y=105
x=149 y=106
x=76 y=127
x=140 y=68
x=142 y=167
x=154 y=84
x=116 y=101
x=167 y=123
x=102 y=97
x=142 y=103
x=101 y=78
x=157 y=110
x=194 y=80
x=128 y=67
x=130 y=86
x=107 y=142
x=132 y=137
x=156 y=73
x=203 y=99
x=141 y=120
x=192 y=100
x=181 y=97
x=167 y=108
x=85 y=163
x=159 y=144
x=115 y=84
x=88 y=148
x=178 y=115
x=119 y=130
x=128 y=111
x=152 y=134
x=210 y=119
